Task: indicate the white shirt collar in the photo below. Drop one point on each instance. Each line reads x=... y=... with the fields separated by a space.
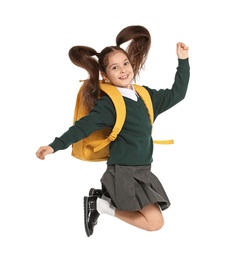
x=129 y=93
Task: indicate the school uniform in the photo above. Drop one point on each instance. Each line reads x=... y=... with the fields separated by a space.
x=128 y=179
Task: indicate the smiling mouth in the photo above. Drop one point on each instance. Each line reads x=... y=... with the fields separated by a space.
x=124 y=77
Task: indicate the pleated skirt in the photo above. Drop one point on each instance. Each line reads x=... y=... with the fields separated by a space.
x=133 y=187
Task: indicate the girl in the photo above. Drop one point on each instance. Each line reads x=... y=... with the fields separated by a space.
x=130 y=191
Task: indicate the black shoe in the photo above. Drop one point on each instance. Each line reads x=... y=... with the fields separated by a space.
x=95 y=192
x=90 y=214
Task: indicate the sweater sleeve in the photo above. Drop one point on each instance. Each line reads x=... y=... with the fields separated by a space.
x=164 y=99
x=102 y=115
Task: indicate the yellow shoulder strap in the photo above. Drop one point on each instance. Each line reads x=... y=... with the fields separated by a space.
x=120 y=109
x=143 y=93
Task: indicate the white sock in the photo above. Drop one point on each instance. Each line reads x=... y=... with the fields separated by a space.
x=106 y=198
x=103 y=206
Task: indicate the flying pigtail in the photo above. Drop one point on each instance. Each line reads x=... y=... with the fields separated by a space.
x=138 y=47
x=82 y=56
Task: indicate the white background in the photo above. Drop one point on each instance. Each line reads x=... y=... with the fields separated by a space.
x=41 y=211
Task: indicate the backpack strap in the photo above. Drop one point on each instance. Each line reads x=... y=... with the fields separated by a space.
x=144 y=94
x=120 y=109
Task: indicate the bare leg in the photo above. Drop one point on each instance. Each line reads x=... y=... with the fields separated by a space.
x=150 y=218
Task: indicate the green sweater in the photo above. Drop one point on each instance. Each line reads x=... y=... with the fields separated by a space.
x=134 y=144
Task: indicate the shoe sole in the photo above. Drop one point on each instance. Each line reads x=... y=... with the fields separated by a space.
x=85 y=206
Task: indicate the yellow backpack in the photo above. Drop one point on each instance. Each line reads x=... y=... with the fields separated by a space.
x=95 y=147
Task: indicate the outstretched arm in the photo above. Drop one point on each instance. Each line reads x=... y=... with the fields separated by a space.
x=182 y=51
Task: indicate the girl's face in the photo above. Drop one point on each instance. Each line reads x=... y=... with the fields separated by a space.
x=119 y=70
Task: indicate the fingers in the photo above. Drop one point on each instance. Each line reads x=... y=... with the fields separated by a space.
x=182 y=50
x=181 y=45
x=43 y=151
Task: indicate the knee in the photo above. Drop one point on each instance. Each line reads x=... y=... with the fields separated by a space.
x=156 y=225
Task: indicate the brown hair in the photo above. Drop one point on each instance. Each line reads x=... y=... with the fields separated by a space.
x=85 y=57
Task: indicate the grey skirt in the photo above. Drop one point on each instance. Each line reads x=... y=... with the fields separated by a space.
x=133 y=187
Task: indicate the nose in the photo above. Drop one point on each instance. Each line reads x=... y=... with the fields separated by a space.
x=123 y=69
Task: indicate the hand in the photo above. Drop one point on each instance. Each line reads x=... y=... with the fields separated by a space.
x=43 y=151
x=182 y=51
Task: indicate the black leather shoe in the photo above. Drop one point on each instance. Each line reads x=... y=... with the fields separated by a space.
x=95 y=192
x=90 y=214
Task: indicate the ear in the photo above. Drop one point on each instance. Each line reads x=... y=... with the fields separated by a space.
x=104 y=76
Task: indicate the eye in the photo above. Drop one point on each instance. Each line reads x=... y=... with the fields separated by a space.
x=126 y=63
x=114 y=67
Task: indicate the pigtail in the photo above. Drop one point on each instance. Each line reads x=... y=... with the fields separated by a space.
x=138 y=48
x=81 y=56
